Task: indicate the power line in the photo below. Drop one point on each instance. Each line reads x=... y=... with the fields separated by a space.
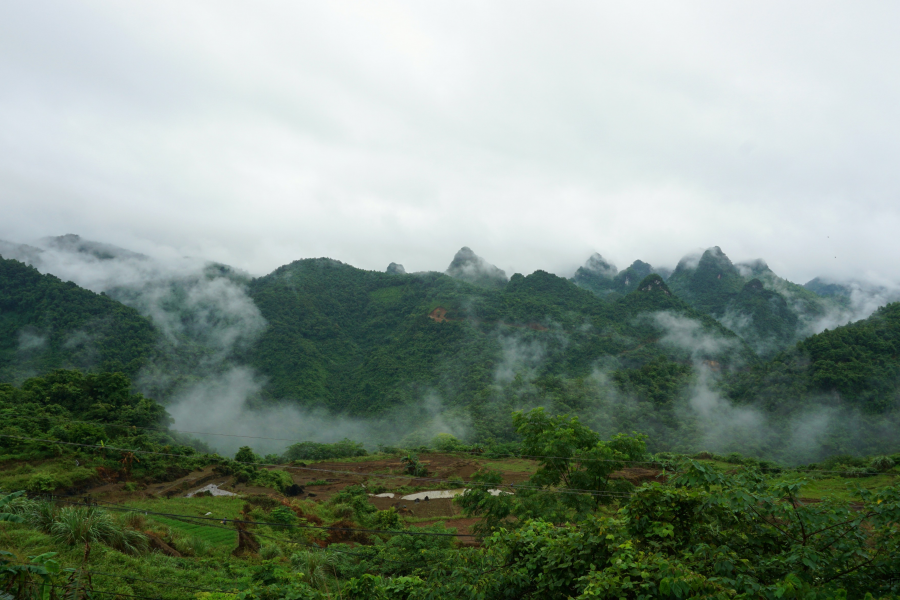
x=471 y=452
x=67 y=587
x=119 y=576
x=164 y=430
x=186 y=519
x=256 y=534
x=333 y=471
x=283 y=525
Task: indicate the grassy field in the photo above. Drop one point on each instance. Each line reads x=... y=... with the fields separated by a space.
x=212 y=532
x=517 y=465
x=842 y=488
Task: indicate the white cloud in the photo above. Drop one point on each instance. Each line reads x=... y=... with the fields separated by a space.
x=533 y=132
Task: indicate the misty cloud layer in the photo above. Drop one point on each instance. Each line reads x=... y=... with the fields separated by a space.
x=225 y=405
x=376 y=133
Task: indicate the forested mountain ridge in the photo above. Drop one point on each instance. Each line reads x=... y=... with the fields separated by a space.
x=318 y=333
x=857 y=363
x=47 y=324
x=605 y=280
x=768 y=312
x=362 y=340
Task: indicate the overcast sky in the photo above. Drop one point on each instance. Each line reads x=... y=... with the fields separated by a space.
x=256 y=133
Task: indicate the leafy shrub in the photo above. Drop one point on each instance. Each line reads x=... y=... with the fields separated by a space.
x=8 y=511
x=245 y=454
x=15 y=507
x=42 y=515
x=769 y=466
x=840 y=461
x=79 y=433
x=444 y=442
x=386 y=519
x=503 y=450
x=283 y=515
x=352 y=502
x=882 y=463
x=270 y=551
x=42 y=482
x=316 y=565
x=858 y=472
x=193 y=546
x=734 y=458
x=343 y=511
x=412 y=466
x=315 y=451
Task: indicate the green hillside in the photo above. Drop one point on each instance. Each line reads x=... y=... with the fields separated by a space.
x=362 y=341
x=606 y=281
x=46 y=324
x=770 y=313
x=709 y=284
x=858 y=363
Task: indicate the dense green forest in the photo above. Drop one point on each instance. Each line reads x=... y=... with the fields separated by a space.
x=363 y=341
x=858 y=363
x=654 y=355
x=46 y=323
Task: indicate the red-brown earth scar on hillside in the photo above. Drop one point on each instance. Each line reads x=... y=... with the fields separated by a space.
x=438 y=315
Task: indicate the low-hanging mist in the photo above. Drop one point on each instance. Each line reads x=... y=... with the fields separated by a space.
x=624 y=359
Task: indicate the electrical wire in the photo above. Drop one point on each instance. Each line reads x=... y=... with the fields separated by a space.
x=131 y=577
x=110 y=506
x=254 y=437
x=475 y=453
x=334 y=471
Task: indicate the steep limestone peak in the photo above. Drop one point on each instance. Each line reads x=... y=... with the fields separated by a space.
x=468 y=266
x=395 y=269
x=597 y=265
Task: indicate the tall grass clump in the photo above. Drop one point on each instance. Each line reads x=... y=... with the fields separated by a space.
x=75 y=525
x=316 y=566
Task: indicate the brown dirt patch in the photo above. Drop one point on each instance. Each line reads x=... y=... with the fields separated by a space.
x=438 y=315
x=638 y=477
x=247 y=542
x=156 y=543
x=341 y=533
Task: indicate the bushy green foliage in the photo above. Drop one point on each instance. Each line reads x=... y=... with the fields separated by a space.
x=412 y=466
x=6 y=511
x=99 y=419
x=882 y=463
x=574 y=478
x=352 y=502
x=315 y=451
x=444 y=442
x=245 y=454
